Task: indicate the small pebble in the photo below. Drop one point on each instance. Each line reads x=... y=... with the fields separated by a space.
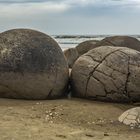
x=106 y=134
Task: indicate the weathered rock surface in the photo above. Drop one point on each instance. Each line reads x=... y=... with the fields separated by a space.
x=122 y=41
x=86 y=46
x=72 y=54
x=32 y=65
x=131 y=117
x=107 y=73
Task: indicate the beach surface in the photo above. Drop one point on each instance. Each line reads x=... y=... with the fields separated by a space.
x=70 y=119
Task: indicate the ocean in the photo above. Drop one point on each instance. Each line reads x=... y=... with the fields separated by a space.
x=70 y=41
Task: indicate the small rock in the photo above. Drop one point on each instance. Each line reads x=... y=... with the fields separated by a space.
x=61 y=136
x=10 y=108
x=89 y=135
x=131 y=118
x=106 y=134
x=51 y=114
x=51 y=121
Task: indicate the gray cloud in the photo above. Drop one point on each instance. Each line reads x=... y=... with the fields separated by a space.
x=22 y=1
x=72 y=16
x=74 y=1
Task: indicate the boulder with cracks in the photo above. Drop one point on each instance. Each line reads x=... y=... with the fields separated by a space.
x=107 y=73
x=131 y=118
x=32 y=66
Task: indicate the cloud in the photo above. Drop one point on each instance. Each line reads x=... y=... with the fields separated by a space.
x=71 y=16
x=72 y=3
x=30 y=8
x=77 y=2
x=105 y=3
x=22 y=1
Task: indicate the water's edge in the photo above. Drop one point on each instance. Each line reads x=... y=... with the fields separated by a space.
x=70 y=41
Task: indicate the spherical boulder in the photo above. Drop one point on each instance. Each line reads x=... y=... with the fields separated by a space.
x=72 y=54
x=32 y=65
x=107 y=73
x=86 y=46
x=122 y=41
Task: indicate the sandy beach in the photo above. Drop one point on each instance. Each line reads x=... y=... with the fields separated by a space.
x=70 y=70
x=68 y=119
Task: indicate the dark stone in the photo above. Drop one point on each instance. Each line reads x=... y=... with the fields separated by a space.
x=72 y=54
x=86 y=46
x=32 y=65
x=122 y=41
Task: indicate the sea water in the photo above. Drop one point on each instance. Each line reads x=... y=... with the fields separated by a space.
x=67 y=41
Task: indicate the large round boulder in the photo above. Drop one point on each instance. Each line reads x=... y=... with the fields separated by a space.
x=107 y=73
x=122 y=41
x=32 y=65
x=72 y=54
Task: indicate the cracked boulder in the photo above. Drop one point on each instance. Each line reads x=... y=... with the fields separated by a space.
x=122 y=41
x=131 y=117
x=107 y=73
x=32 y=66
x=72 y=54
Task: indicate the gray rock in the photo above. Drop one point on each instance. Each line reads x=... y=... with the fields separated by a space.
x=131 y=117
x=122 y=41
x=72 y=54
x=107 y=73
x=85 y=46
x=32 y=65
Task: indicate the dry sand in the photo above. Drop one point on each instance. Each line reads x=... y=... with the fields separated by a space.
x=64 y=119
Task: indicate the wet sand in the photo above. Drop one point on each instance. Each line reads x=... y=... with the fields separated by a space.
x=70 y=119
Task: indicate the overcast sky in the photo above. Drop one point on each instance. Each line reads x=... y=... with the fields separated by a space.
x=72 y=16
